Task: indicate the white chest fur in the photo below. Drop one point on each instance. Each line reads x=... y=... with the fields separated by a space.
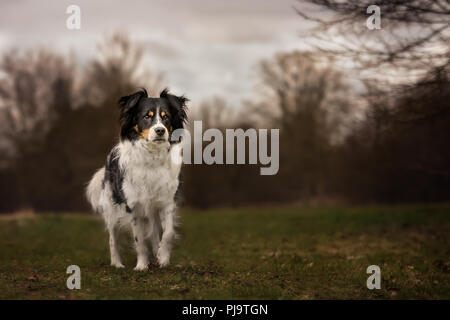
x=150 y=177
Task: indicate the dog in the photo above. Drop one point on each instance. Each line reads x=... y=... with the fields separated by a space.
x=139 y=184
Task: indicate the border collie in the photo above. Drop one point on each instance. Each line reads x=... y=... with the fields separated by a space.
x=139 y=183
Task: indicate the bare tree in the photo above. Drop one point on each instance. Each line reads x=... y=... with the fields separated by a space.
x=298 y=92
x=214 y=113
x=118 y=69
x=414 y=36
x=399 y=150
x=310 y=103
x=35 y=90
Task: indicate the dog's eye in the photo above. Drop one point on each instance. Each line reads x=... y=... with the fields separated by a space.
x=149 y=115
x=163 y=114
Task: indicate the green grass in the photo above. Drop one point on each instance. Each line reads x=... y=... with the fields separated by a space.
x=252 y=253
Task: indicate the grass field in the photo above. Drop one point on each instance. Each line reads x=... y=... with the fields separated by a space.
x=271 y=253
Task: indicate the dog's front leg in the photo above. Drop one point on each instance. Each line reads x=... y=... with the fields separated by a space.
x=167 y=217
x=155 y=232
x=138 y=226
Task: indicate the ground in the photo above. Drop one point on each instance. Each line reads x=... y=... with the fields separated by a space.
x=251 y=253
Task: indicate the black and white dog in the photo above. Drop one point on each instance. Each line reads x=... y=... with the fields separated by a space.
x=139 y=182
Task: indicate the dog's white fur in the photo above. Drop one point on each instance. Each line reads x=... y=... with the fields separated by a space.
x=149 y=184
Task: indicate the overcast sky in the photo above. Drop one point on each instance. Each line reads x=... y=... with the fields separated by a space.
x=204 y=47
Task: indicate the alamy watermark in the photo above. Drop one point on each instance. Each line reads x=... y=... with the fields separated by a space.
x=74 y=280
x=374 y=21
x=374 y=281
x=73 y=22
x=234 y=143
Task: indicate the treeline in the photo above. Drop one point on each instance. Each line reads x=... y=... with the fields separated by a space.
x=394 y=149
x=59 y=121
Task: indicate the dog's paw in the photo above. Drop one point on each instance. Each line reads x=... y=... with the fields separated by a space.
x=163 y=258
x=141 y=266
x=117 y=265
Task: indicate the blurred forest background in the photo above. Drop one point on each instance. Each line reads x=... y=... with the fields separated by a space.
x=364 y=115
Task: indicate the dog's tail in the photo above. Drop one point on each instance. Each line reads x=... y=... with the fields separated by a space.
x=94 y=190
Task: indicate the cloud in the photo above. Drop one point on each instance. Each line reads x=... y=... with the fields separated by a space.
x=204 y=47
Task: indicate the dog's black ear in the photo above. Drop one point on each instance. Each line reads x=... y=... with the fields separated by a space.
x=128 y=102
x=126 y=106
x=177 y=106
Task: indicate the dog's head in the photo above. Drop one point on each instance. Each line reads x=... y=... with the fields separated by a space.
x=151 y=119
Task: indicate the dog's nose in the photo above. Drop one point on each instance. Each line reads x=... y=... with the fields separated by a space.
x=160 y=131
